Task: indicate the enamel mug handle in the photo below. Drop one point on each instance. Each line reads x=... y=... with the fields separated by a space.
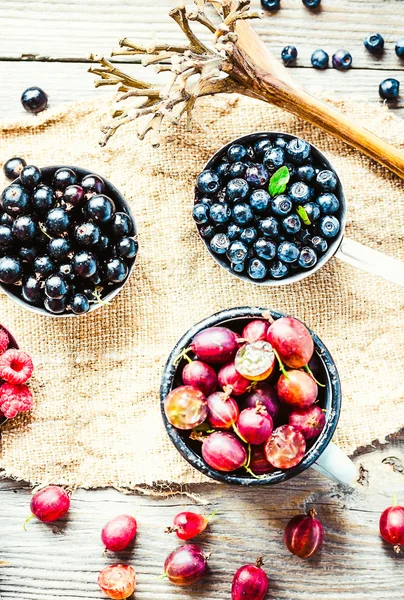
x=336 y=465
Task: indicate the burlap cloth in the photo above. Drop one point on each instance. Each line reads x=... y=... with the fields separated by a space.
x=97 y=418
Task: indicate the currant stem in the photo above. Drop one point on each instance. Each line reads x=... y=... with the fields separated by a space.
x=281 y=365
x=310 y=372
x=27 y=521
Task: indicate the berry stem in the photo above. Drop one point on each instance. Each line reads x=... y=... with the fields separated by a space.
x=42 y=228
x=27 y=521
x=236 y=431
x=259 y=562
x=281 y=365
x=310 y=372
x=184 y=354
x=212 y=516
x=395 y=503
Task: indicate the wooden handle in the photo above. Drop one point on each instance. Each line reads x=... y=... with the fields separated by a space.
x=270 y=81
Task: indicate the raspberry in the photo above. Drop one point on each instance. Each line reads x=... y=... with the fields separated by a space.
x=14 y=399
x=4 y=341
x=15 y=366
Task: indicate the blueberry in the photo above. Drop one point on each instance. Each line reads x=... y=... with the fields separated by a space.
x=248 y=235
x=237 y=267
x=274 y=159
x=126 y=248
x=329 y=226
x=55 y=305
x=389 y=89
x=57 y=221
x=223 y=170
x=259 y=201
x=55 y=287
x=24 y=228
x=220 y=213
x=6 y=236
x=269 y=227
x=44 y=266
x=79 y=304
x=299 y=192
x=219 y=243
x=237 y=189
x=237 y=252
x=28 y=254
x=84 y=264
x=234 y=231
x=242 y=214
x=63 y=178
x=319 y=244
x=289 y=54
x=278 y=269
x=374 y=43
x=13 y=167
x=92 y=184
x=281 y=205
x=280 y=142
x=257 y=176
x=307 y=258
x=32 y=290
x=320 y=59
x=237 y=169
x=327 y=180
x=43 y=199
x=15 y=200
x=271 y=5
x=87 y=234
x=265 y=248
x=34 y=100
x=10 y=269
x=237 y=153
x=306 y=173
x=30 y=177
x=312 y=3
x=298 y=151
x=400 y=47
x=342 y=60
x=121 y=224
x=291 y=168
x=59 y=248
x=207 y=231
x=291 y=224
x=288 y=252
x=312 y=210
x=200 y=213
x=328 y=203
x=257 y=269
x=261 y=147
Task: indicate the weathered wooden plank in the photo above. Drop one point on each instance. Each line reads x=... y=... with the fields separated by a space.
x=73 y=29
x=63 y=560
x=66 y=82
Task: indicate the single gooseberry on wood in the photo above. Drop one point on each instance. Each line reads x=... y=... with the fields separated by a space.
x=304 y=535
x=250 y=582
x=188 y=524
x=309 y=421
x=201 y=376
x=216 y=345
x=255 y=331
x=292 y=341
x=117 y=581
x=255 y=361
x=49 y=504
x=224 y=452
x=392 y=526
x=229 y=377
x=255 y=425
x=186 y=565
x=297 y=388
x=223 y=410
x=186 y=407
x=119 y=532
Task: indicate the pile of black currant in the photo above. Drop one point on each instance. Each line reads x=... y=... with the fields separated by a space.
x=268 y=208
x=64 y=243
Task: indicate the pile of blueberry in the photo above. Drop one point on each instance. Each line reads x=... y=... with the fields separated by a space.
x=268 y=208
x=64 y=243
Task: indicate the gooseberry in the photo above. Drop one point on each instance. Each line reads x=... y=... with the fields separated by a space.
x=119 y=532
x=392 y=526
x=223 y=410
x=186 y=407
x=285 y=448
x=292 y=341
x=229 y=377
x=304 y=535
x=224 y=452
x=309 y=421
x=216 y=345
x=117 y=581
x=255 y=361
x=255 y=331
x=201 y=376
x=266 y=395
x=297 y=388
x=255 y=425
x=49 y=504
x=250 y=582
x=186 y=565
x=187 y=525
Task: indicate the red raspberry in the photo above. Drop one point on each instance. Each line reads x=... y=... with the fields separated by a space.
x=4 y=341
x=15 y=399
x=15 y=366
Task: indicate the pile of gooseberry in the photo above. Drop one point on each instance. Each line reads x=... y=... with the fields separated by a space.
x=249 y=396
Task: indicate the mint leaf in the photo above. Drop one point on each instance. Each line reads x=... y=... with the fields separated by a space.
x=303 y=215
x=279 y=181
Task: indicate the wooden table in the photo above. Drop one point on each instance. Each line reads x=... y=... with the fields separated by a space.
x=46 y=43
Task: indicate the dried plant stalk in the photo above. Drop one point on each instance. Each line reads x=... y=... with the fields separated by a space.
x=236 y=61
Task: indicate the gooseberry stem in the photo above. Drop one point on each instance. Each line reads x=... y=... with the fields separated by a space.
x=395 y=503
x=281 y=365
x=310 y=372
x=212 y=516
x=183 y=355
x=236 y=431
x=26 y=521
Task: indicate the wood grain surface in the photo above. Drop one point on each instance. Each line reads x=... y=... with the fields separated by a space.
x=46 y=43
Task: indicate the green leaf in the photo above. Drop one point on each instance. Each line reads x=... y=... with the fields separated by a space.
x=279 y=181
x=303 y=215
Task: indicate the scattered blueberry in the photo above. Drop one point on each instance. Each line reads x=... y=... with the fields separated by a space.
x=291 y=224
x=271 y=5
x=265 y=248
x=237 y=153
x=307 y=258
x=208 y=182
x=237 y=169
x=259 y=201
x=319 y=244
x=248 y=235
x=298 y=151
x=289 y=54
x=288 y=252
x=242 y=214
x=389 y=89
x=312 y=3
x=219 y=243
x=237 y=189
x=269 y=227
x=278 y=269
x=328 y=203
x=200 y=213
x=299 y=192
x=281 y=205
x=34 y=100
x=13 y=167
x=257 y=269
x=320 y=59
x=374 y=43
x=329 y=226
x=237 y=252
x=400 y=47
x=274 y=159
x=327 y=180
x=342 y=60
